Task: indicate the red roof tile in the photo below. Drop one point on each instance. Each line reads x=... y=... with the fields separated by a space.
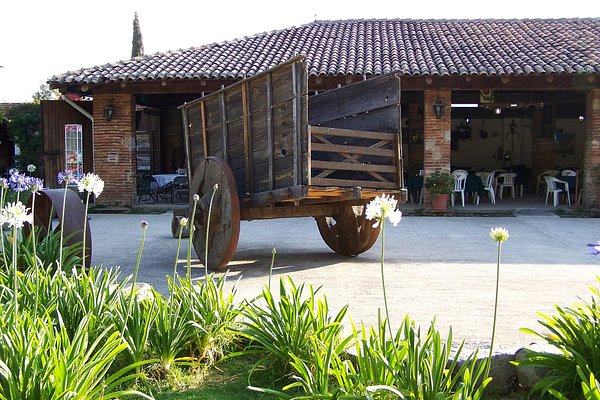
x=373 y=47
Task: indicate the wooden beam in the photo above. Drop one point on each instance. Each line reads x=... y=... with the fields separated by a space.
x=322 y=130
x=339 y=148
x=351 y=183
x=247 y=139
x=270 y=139
x=204 y=137
x=353 y=166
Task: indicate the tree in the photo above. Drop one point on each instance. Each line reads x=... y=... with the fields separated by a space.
x=137 y=48
x=45 y=93
x=25 y=130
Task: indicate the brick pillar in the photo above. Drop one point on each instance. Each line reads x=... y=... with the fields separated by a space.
x=591 y=152
x=114 y=142
x=436 y=132
x=415 y=127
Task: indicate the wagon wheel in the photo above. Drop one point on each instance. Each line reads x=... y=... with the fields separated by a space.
x=225 y=215
x=348 y=233
x=49 y=205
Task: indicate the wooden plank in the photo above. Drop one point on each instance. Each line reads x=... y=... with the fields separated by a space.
x=224 y=125
x=351 y=166
x=247 y=138
x=322 y=130
x=270 y=129
x=382 y=120
x=371 y=94
x=352 y=183
x=339 y=148
x=267 y=198
x=204 y=138
x=297 y=144
x=398 y=160
x=186 y=140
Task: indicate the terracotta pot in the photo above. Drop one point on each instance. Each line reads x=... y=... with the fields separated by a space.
x=440 y=202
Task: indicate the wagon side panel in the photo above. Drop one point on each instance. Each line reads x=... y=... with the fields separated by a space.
x=356 y=135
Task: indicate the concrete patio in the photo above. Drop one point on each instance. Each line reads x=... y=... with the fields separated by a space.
x=442 y=267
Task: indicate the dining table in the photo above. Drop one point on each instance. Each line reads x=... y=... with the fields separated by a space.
x=163 y=180
x=414 y=185
x=474 y=185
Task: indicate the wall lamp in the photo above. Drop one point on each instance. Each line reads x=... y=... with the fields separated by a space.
x=438 y=109
x=109 y=110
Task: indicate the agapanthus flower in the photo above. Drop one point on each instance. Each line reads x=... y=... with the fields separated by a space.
x=594 y=248
x=144 y=224
x=66 y=177
x=381 y=207
x=19 y=182
x=13 y=171
x=3 y=183
x=16 y=214
x=91 y=183
x=31 y=168
x=35 y=184
x=183 y=221
x=499 y=234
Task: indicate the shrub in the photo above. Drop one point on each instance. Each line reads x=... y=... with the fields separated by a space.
x=575 y=332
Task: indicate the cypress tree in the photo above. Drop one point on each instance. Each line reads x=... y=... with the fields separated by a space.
x=137 y=48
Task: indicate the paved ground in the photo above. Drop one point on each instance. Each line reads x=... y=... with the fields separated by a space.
x=442 y=267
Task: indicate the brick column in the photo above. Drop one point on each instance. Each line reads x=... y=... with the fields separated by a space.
x=436 y=132
x=114 y=142
x=591 y=152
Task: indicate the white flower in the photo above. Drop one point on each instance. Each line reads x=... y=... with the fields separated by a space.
x=91 y=183
x=183 y=221
x=381 y=207
x=31 y=168
x=499 y=234
x=13 y=171
x=16 y=214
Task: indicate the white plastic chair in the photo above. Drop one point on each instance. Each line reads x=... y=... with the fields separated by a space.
x=506 y=180
x=540 y=178
x=489 y=186
x=483 y=176
x=568 y=172
x=552 y=188
x=460 y=181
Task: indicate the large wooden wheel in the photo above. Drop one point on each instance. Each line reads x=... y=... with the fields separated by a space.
x=224 y=229
x=49 y=207
x=349 y=233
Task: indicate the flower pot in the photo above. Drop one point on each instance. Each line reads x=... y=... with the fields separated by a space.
x=440 y=202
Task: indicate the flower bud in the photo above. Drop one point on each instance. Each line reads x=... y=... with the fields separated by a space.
x=144 y=224
x=183 y=221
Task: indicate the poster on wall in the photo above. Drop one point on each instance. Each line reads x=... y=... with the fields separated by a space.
x=74 y=149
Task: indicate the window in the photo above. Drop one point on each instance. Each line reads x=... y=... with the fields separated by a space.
x=74 y=149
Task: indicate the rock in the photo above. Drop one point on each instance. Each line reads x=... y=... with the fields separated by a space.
x=527 y=375
x=503 y=373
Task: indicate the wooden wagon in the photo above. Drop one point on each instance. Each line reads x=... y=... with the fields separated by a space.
x=275 y=152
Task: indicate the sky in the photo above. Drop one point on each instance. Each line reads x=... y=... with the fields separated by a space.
x=42 y=38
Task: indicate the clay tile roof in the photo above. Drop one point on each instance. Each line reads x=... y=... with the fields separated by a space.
x=364 y=47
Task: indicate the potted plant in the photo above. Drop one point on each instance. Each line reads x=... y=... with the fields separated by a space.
x=440 y=185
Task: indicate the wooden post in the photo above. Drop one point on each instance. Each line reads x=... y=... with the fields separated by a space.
x=270 y=145
x=247 y=139
x=224 y=126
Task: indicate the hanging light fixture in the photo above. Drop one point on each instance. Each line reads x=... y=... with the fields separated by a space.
x=438 y=109
x=109 y=110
